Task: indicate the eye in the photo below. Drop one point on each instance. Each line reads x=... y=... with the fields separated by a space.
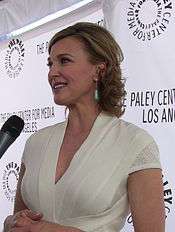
x=64 y=60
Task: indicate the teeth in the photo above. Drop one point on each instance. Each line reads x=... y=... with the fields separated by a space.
x=61 y=85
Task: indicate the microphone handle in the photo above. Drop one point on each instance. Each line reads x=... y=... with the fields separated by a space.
x=5 y=141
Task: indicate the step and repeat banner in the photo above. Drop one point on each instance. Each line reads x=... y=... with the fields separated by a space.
x=145 y=31
x=25 y=91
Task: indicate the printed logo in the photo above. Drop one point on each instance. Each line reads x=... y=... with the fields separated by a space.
x=42 y=48
x=148 y=19
x=168 y=197
x=14 y=59
x=168 y=200
x=10 y=179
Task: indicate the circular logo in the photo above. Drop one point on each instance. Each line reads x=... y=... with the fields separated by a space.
x=148 y=19
x=10 y=179
x=14 y=59
x=168 y=200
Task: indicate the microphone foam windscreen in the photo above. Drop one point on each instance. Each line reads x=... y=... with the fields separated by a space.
x=13 y=126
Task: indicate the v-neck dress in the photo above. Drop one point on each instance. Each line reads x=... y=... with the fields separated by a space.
x=92 y=193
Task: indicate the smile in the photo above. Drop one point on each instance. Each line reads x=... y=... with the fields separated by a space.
x=59 y=85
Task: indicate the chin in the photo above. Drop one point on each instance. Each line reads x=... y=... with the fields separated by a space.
x=61 y=102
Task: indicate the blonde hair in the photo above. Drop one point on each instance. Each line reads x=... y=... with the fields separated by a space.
x=101 y=47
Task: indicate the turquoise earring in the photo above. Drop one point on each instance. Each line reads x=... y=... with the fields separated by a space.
x=96 y=94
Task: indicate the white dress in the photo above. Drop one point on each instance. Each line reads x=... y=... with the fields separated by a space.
x=92 y=194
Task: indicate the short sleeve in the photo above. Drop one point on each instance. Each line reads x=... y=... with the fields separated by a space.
x=23 y=156
x=147 y=158
x=26 y=150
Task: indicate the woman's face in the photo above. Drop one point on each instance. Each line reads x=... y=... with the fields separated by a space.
x=70 y=74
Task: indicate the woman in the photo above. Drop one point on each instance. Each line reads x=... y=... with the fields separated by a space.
x=86 y=173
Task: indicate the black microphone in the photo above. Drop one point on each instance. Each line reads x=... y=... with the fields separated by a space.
x=9 y=132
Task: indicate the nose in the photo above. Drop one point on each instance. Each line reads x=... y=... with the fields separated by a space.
x=54 y=72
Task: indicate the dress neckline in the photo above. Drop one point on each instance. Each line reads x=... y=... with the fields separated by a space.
x=65 y=123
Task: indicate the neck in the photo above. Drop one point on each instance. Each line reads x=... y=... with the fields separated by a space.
x=81 y=118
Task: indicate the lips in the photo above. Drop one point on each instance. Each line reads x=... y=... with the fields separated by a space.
x=58 y=85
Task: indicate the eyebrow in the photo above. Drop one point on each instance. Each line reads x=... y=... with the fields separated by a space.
x=60 y=55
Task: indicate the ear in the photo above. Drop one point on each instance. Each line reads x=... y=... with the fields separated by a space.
x=101 y=69
x=102 y=66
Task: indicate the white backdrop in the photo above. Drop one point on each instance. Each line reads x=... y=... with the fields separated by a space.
x=145 y=31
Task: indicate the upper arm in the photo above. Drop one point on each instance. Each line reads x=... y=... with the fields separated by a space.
x=19 y=203
x=146 y=199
